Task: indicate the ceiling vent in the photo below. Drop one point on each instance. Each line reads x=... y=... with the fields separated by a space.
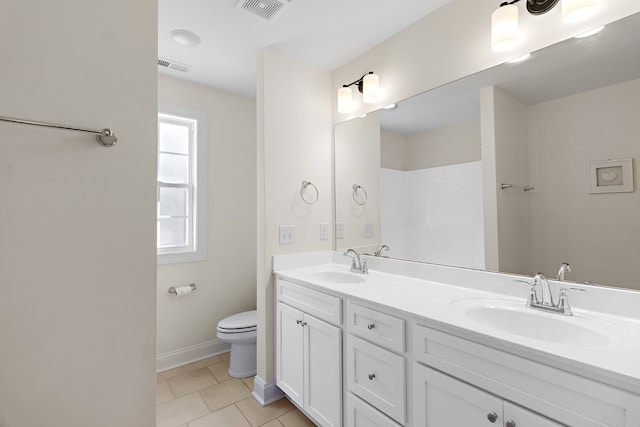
x=265 y=9
x=173 y=65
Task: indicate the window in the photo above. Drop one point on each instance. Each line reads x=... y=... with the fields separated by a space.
x=181 y=191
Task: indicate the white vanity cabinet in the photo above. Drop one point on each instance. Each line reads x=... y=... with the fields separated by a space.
x=476 y=380
x=442 y=401
x=376 y=371
x=309 y=351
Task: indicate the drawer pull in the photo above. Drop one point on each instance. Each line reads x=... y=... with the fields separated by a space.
x=510 y=423
x=493 y=417
x=299 y=322
x=304 y=324
x=370 y=326
x=372 y=376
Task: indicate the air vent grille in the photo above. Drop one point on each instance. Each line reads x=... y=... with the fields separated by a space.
x=265 y=9
x=173 y=65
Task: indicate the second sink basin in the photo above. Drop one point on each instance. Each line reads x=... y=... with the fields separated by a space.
x=338 y=277
x=514 y=318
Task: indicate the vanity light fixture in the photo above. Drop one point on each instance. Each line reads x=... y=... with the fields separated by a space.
x=504 y=20
x=368 y=85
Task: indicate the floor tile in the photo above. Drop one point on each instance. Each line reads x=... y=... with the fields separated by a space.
x=249 y=382
x=191 y=381
x=258 y=415
x=224 y=394
x=163 y=392
x=274 y=423
x=203 y=363
x=165 y=375
x=180 y=411
x=220 y=371
x=226 y=417
x=295 y=419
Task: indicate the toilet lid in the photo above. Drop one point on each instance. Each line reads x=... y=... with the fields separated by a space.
x=244 y=320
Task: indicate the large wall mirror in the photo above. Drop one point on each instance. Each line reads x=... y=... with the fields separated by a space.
x=503 y=170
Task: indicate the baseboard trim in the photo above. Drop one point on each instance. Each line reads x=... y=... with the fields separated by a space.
x=186 y=355
x=266 y=393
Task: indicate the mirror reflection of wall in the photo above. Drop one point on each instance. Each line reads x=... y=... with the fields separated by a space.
x=540 y=124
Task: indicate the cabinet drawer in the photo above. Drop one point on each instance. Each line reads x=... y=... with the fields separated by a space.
x=559 y=395
x=360 y=414
x=323 y=306
x=377 y=327
x=377 y=376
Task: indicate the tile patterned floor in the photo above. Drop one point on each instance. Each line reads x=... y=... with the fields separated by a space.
x=202 y=394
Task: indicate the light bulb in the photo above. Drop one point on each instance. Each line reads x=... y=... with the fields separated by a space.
x=577 y=10
x=370 y=89
x=504 y=28
x=345 y=100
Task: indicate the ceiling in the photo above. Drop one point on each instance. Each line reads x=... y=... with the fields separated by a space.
x=322 y=33
x=569 y=67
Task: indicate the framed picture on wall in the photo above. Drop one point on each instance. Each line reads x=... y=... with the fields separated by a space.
x=611 y=176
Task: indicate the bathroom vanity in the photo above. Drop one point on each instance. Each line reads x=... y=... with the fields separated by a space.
x=419 y=345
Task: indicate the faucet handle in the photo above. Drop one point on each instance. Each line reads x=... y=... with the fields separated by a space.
x=563 y=302
x=533 y=295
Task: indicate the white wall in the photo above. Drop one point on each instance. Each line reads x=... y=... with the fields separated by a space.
x=507 y=153
x=459 y=143
x=393 y=150
x=294 y=144
x=226 y=281
x=598 y=234
x=357 y=161
x=77 y=252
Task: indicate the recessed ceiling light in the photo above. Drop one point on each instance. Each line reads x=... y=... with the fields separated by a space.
x=589 y=33
x=390 y=107
x=519 y=59
x=185 y=38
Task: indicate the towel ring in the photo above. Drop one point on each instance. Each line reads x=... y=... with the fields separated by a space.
x=305 y=184
x=357 y=187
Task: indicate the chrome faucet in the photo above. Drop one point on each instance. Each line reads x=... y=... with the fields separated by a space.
x=564 y=268
x=361 y=266
x=379 y=251
x=546 y=303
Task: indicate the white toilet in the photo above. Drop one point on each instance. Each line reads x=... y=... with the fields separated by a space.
x=241 y=331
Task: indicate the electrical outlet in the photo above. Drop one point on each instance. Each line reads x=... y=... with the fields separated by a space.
x=287 y=234
x=324 y=231
x=369 y=229
x=340 y=230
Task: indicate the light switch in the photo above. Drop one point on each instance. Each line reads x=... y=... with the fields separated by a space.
x=369 y=229
x=287 y=234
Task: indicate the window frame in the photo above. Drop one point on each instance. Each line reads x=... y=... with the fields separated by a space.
x=197 y=203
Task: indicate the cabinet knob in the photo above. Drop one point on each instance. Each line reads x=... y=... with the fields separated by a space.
x=299 y=322
x=371 y=326
x=372 y=376
x=510 y=423
x=492 y=416
x=304 y=324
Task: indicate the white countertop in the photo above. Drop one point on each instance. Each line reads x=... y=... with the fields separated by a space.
x=442 y=306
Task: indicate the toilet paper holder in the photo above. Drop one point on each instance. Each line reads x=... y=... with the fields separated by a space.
x=173 y=291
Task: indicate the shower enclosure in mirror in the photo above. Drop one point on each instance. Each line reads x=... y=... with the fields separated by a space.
x=434 y=167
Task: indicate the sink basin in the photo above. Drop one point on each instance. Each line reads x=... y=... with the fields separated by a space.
x=512 y=317
x=338 y=277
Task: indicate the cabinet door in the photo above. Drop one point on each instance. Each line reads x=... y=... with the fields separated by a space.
x=516 y=416
x=442 y=401
x=290 y=352
x=323 y=372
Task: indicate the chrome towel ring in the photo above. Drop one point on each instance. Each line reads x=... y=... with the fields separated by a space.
x=310 y=200
x=357 y=189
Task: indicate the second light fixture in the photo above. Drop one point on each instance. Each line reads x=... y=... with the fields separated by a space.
x=368 y=85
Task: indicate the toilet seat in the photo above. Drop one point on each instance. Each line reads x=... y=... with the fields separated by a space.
x=239 y=323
